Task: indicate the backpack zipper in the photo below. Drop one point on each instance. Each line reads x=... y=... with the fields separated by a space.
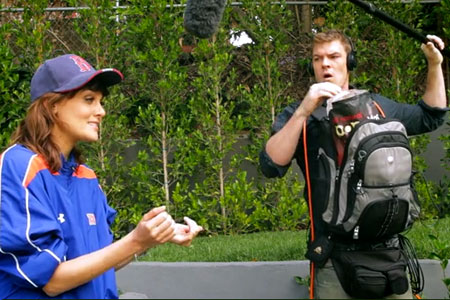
x=337 y=189
x=356 y=232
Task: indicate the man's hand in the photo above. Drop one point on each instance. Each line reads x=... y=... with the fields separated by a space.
x=433 y=55
x=316 y=95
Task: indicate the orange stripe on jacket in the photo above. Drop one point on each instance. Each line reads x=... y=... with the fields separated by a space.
x=37 y=164
x=84 y=172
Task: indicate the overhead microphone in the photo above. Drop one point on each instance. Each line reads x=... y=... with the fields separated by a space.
x=202 y=17
x=371 y=9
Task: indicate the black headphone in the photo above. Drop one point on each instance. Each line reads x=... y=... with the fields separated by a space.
x=351 y=59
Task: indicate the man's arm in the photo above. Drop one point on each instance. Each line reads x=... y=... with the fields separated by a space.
x=281 y=146
x=435 y=87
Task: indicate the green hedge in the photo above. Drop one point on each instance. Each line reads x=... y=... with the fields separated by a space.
x=185 y=128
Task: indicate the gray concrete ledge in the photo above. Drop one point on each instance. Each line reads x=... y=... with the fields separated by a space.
x=238 y=280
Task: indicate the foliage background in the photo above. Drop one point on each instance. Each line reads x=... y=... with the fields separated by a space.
x=185 y=127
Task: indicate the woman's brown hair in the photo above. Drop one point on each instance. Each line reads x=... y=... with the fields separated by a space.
x=34 y=132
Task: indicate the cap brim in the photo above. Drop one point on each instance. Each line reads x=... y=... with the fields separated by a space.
x=107 y=77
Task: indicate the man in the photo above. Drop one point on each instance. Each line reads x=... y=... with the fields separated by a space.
x=332 y=59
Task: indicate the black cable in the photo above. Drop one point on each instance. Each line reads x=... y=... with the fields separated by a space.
x=416 y=277
x=427 y=188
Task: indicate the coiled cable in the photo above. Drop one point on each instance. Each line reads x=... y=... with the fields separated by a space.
x=415 y=270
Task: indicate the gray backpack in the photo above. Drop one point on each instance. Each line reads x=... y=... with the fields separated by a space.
x=372 y=196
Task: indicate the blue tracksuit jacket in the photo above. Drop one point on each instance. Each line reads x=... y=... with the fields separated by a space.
x=46 y=219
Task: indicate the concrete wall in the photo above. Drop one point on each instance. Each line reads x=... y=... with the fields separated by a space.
x=432 y=155
x=237 y=280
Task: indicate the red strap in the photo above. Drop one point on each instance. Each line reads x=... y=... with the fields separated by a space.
x=379 y=109
x=308 y=184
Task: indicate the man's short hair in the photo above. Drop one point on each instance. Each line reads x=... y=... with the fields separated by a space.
x=333 y=35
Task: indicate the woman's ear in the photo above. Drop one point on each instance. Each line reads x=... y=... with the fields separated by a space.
x=55 y=108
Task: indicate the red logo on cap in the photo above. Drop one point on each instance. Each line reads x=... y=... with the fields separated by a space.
x=81 y=63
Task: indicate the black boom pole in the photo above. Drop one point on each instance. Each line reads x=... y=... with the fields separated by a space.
x=371 y=9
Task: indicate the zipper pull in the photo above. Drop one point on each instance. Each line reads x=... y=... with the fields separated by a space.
x=356 y=233
x=359 y=187
x=351 y=168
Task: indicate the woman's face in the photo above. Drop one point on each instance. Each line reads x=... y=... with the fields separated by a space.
x=80 y=119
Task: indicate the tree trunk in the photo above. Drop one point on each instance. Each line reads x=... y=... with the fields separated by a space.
x=164 y=157
x=269 y=83
x=221 y=175
x=306 y=18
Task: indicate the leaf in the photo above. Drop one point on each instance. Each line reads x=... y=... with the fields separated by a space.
x=302 y=281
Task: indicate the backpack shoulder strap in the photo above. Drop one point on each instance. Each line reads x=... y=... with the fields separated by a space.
x=320 y=113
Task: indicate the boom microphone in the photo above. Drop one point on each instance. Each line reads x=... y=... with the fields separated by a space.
x=202 y=17
x=371 y=9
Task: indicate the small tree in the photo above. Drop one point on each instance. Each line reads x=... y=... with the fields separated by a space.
x=163 y=119
x=213 y=107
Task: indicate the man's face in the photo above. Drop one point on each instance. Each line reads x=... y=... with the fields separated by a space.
x=330 y=63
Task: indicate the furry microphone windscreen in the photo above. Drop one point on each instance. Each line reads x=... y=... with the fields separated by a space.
x=202 y=17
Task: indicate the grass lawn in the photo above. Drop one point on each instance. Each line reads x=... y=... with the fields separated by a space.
x=285 y=245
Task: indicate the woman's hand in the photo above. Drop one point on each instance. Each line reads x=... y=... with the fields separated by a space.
x=155 y=228
x=184 y=234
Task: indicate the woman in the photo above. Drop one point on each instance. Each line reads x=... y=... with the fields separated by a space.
x=55 y=237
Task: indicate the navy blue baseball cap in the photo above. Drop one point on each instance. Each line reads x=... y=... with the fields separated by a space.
x=68 y=73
